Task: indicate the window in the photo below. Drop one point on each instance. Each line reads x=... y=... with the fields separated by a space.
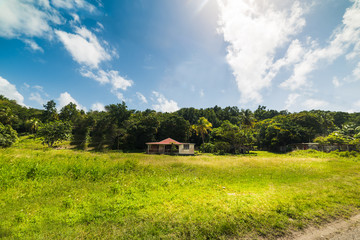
x=186 y=146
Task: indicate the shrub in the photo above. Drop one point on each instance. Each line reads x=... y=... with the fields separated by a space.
x=53 y=132
x=222 y=147
x=207 y=147
x=8 y=135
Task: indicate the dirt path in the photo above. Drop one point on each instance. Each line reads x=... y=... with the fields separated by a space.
x=338 y=230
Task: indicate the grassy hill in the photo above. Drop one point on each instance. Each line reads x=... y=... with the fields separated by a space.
x=67 y=194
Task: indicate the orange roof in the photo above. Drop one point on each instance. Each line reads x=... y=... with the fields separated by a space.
x=166 y=142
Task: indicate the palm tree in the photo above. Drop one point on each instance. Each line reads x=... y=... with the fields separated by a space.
x=32 y=125
x=247 y=117
x=202 y=127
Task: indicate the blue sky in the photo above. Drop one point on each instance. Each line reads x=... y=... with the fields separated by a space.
x=165 y=55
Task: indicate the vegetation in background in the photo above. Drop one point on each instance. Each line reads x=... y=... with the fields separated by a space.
x=202 y=128
x=214 y=130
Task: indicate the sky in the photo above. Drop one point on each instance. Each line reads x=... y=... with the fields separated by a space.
x=166 y=55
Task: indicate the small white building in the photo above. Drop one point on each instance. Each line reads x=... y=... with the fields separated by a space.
x=170 y=146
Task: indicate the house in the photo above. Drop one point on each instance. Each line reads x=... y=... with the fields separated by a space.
x=170 y=146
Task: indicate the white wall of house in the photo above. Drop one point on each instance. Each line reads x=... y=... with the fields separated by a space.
x=187 y=148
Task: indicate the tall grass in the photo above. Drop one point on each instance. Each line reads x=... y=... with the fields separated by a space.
x=67 y=194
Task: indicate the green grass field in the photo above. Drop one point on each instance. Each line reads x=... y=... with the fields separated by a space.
x=68 y=194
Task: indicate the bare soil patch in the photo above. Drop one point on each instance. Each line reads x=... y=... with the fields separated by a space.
x=338 y=230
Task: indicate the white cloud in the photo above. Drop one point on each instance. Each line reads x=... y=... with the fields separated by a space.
x=119 y=95
x=37 y=98
x=345 y=38
x=294 y=54
x=101 y=76
x=29 y=19
x=119 y=82
x=291 y=100
x=354 y=76
x=65 y=98
x=26 y=18
x=84 y=47
x=76 y=18
x=9 y=90
x=314 y=104
x=202 y=93
x=44 y=4
x=254 y=31
x=73 y=4
x=356 y=72
x=112 y=77
x=40 y=88
x=33 y=45
x=98 y=107
x=38 y=94
x=141 y=97
x=336 y=82
x=163 y=104
x=99 y=27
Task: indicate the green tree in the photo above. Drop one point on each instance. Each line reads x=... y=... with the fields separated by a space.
x=140 y=129
x=189 y=114
x=69 y=113
x=349 y=129
x=326 y=120
x=7 y=116
x=118 y=113
x=231 y=138
x=338 y=138
x=247 y=117
x=261 y=113
x=54 y=132
x=309 y=122
x=202 y=128
x=108 y=127
x=81 y=131
x=32 y=125
x=8 y=135
x=340 y=118
x=103 y=132
x=279 y=131
x=173 y=126
x=50 y=112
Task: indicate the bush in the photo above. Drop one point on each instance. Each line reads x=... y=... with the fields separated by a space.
x=207 y=147
x=345 y=154
x=222 y=147
x=8 y=135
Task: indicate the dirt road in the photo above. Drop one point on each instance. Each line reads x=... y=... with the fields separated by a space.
x=339 y=230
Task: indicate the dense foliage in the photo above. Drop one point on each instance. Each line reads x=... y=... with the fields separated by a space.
x=216 y=129
x=53 y=132
x=7 y=135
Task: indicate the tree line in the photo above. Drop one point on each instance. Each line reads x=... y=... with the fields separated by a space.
x=216 y=129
